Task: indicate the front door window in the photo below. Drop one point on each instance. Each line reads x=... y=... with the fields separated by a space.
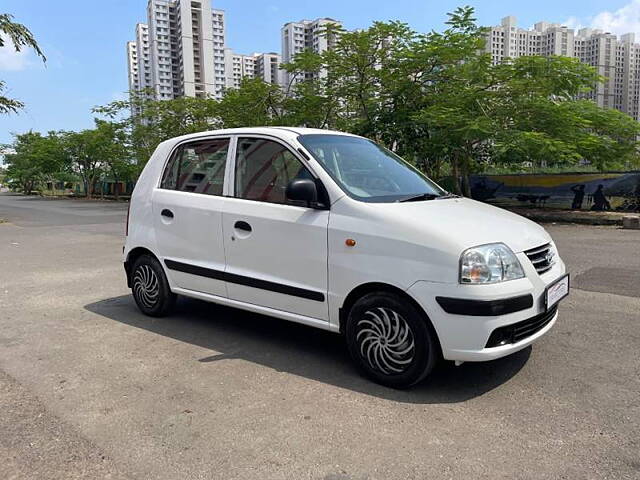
x=264 y=168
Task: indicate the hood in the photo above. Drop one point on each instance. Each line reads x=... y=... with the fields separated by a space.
x=467 y=223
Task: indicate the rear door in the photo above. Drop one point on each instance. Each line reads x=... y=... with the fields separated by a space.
x=276 y=251
x=187 y=210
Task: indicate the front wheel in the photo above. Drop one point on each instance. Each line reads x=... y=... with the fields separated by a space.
x=390 y=340
x=150 y=287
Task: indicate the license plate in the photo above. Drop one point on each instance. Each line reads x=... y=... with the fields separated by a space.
x=557 y=291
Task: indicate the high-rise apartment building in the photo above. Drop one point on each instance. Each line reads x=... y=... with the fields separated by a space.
x=181 y=46
x=268 y=67
x=219 y=44
x=180 y=51
x=143 y=63
x=305 y=35
x=138 y=60
x=618 y=60
x=132 y=65
x=258 y=65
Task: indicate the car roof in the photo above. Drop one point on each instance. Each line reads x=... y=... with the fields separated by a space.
x=283 y=133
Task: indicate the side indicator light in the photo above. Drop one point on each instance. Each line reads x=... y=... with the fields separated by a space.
x=350 y=242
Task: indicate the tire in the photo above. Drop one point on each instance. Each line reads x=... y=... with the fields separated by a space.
x=390 y=340
x=150 y=287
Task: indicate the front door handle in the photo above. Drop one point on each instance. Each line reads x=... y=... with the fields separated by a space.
x=242 y=225
x=167 y=213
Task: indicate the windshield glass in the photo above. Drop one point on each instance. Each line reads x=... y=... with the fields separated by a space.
x=368 y=172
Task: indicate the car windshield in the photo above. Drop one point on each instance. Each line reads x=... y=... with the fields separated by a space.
x=368 y=172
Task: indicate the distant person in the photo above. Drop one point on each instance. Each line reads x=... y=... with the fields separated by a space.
x=600 y=202
x=578 y=197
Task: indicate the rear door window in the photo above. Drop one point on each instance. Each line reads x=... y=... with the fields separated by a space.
x=198 y=167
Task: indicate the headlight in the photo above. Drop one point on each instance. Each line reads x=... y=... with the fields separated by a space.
x=491 y=263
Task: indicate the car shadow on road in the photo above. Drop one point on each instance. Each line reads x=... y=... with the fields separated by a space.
x=300 y=350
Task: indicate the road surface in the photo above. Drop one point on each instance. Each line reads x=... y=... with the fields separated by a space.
x=90 y=388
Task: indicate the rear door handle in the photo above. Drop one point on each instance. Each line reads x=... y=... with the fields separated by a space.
x=242 y=225
x=167 y=213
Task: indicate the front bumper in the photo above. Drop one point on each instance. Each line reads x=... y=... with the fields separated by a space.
x=464 y=337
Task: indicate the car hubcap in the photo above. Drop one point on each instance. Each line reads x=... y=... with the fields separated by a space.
x=146 y=287
x=385 y=340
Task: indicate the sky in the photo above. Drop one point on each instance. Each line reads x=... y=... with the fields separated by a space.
x=84 y=41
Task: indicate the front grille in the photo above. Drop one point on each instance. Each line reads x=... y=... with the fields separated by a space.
x=519 y=331
x=542 y=258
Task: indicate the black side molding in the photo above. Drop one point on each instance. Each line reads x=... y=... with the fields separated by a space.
x=243 y=280
x=485 y=308
x=194 y=270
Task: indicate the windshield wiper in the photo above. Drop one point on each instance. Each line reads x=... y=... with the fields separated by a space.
x=449 y=195
x=419 y=197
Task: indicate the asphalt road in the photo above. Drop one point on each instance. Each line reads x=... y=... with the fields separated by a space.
x=90 y=388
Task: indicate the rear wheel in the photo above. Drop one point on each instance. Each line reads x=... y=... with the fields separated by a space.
x=390 y=340
x=150 y=287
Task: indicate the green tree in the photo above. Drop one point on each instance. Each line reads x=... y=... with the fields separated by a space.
x=307 y=100
x=543 y=121
x=37 y=159
x=85 y=151
x=143 y=123
x=115 y=153
x=524 y=110
x=20 y=37
x=379 y=80
x=255 y=103
x=437 y=100
x=147 y=122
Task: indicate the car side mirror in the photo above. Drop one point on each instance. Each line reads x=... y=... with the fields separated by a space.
x=302 y=190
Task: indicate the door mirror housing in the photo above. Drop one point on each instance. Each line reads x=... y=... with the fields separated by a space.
x=303 y=190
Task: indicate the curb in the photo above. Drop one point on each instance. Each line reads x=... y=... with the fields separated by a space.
x=583 y=219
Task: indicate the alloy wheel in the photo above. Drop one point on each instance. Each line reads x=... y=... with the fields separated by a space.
x=385 y=341
x=146 y=286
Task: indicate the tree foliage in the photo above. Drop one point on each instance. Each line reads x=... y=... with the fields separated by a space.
x=93 y=153
x=88 y=155
x=20 y=37
x=37 y=158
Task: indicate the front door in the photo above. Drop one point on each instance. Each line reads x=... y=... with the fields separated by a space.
x=187 y=210
x=276 y=251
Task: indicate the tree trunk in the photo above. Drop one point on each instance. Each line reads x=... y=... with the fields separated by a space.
x=116 y=188
x=88 y=188
x=466 y=184
x=455 y=171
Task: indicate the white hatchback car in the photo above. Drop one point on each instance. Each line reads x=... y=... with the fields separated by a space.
x=334 y=231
